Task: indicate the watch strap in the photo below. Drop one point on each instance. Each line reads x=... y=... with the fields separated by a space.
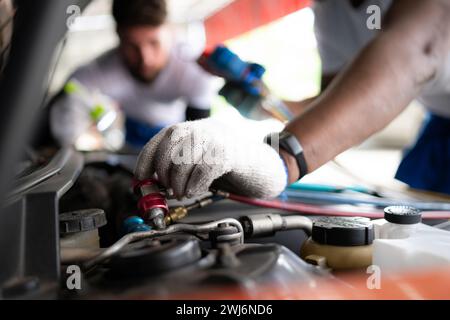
x=289 y=143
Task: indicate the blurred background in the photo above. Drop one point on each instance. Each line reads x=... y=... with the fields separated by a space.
x=292 y=63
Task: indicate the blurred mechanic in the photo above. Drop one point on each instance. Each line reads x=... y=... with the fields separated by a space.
x=408 y=58
x=146 y=76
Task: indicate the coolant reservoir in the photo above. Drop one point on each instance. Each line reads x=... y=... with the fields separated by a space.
x=403 y=243
x=79 y=229
x=340 y=243
x=401 y=222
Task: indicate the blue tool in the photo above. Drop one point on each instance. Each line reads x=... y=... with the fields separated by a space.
x=224 y=63
x=244 y=88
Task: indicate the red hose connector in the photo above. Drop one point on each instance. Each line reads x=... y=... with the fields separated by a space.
x=150 y=196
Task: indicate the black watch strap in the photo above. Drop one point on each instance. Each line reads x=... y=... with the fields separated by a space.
x=289 y=143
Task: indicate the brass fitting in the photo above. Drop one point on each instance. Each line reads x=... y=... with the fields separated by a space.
x=175 y=215
x=179 y=213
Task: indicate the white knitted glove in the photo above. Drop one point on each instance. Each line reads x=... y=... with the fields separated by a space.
x=190 y=156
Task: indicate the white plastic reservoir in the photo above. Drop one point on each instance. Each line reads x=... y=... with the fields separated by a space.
x=407 y=244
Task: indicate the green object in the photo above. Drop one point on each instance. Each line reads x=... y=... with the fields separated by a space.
x=70 y=87
x=97 y=112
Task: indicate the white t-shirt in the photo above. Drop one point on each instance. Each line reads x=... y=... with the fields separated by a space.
x=161 y=103
x=341 y=32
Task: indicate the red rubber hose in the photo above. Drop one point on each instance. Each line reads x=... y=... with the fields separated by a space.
x=327 y=211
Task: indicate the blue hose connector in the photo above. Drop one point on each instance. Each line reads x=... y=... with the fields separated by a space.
x=135 y=224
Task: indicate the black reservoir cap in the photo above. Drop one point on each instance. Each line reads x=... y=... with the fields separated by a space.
x=402 y=215
x=81 y=220
x=343 y=231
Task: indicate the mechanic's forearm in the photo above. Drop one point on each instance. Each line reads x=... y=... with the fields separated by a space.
x=380 y=83
x=299 y=107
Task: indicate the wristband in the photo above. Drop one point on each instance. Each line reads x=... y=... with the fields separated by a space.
x=289 y=143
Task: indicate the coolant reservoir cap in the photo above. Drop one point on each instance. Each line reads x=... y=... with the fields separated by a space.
x=81 y=220
x=343 y=231
x=402 y=215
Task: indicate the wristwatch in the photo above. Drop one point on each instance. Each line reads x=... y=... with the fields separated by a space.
x=289 y=143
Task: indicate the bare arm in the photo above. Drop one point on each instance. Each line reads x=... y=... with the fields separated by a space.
x=299 y=107
x=383 y=79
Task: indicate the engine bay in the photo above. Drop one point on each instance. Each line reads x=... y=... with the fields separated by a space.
x=85 y=233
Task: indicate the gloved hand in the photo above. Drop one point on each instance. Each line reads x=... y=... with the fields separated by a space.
x=189 y=157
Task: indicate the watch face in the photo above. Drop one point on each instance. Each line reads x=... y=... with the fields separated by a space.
x=291 y=141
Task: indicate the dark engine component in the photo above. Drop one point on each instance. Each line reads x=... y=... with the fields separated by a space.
x=157 y=263
x=152 y=257
x=178 y=264
x=107 y=187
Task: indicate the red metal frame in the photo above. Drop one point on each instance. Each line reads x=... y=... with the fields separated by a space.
x=244 y=15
